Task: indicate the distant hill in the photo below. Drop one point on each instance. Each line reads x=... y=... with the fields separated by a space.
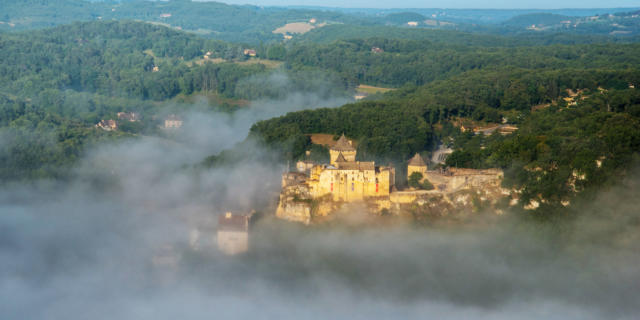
x=472 y=16
x=527 y=20
x=460 y=35
x=622 y=24
x=402 y=18
x=253 y=24
x=627 y=14
x=344 y=32
x=250 y=24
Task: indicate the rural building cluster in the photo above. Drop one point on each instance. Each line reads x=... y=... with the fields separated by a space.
x=171 y=121
x=112 y=125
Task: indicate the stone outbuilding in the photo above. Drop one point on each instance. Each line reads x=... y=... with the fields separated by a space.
x=233 y=233
x=172 y=122
x=129 y=116
x=107 y=125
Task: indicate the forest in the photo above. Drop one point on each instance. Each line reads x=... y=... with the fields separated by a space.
x=254 y=24
x=171 y=159
x=596 y=138
x=574 y=103
x=243 y=24
x=419 y=62
x=81 y=73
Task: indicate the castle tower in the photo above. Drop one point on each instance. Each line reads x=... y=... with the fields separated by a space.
x=340 y=161
x=344 y=147
x=416 y=164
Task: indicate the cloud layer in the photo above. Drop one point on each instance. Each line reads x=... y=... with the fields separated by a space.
x=132 y=237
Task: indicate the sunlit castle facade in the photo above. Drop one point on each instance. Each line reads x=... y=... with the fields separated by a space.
x=345 y=179
x=342 y=147
x=315 y=191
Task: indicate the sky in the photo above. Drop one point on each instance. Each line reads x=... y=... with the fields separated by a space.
x=499 y=4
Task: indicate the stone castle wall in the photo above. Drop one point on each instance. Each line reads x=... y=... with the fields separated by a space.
x=305 y=200
x=322 y=189
x=233 y=242
x=456 y=179
x=350 y=185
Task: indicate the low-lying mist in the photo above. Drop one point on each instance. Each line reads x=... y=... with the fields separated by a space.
x=141 y=246
x=76 y=254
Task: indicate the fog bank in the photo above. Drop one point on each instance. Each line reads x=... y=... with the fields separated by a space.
x=132 y=238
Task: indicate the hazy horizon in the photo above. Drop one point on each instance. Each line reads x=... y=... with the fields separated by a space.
x=440 y=4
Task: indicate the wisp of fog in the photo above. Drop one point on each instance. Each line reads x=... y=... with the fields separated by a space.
x=141 y=246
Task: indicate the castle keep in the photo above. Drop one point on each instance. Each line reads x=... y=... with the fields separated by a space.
x=342 y=151
x=346 y=179
x=318 y=190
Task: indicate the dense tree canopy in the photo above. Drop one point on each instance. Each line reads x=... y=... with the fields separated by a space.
x=420 y=62
x=562 y=148
x=56 y=84
x=575 y=105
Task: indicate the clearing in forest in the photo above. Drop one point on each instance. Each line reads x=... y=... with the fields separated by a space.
x=270 y=64
x=297 y=27
x=372 y=90
x=325 y=139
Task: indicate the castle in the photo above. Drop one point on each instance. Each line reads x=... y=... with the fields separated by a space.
x=345 y=179
x=318 y=190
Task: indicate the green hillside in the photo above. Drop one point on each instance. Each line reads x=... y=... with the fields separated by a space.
x=56 y=84
x=575 y=105
x=217 y=20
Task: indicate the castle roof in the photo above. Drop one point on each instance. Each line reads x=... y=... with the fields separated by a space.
x=233 y=222
x=341 y=158
x=367 y=165
x=131 y=116
x=417 y=161
x=343 y=145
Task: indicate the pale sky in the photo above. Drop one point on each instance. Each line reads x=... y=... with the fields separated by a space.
x=493 y=4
